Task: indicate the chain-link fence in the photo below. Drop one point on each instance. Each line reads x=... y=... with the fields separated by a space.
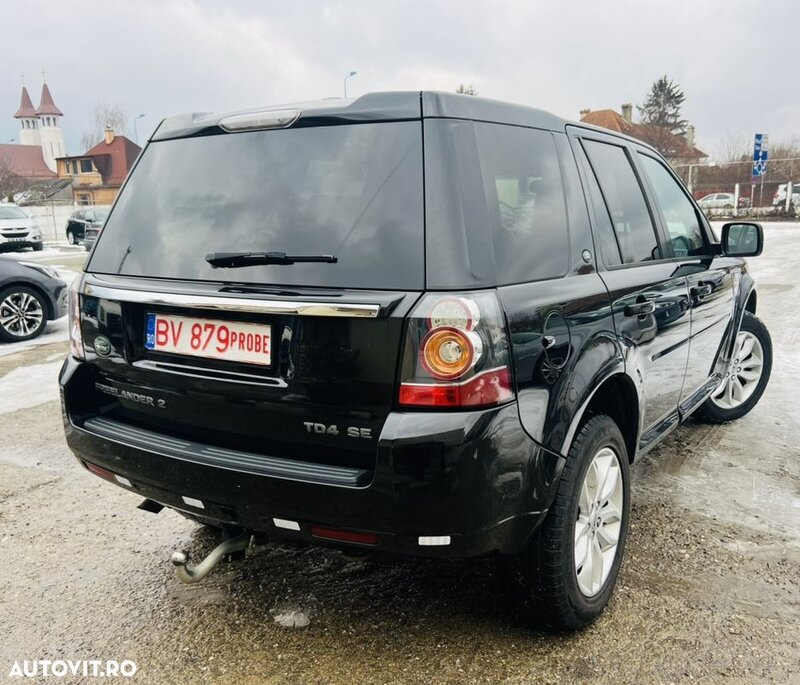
x=728 y=189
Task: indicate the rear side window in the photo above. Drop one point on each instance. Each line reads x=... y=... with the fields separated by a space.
x=525 y=202
x=604 y=229
x=623 y=196
x=683 y=225
x=354 y=191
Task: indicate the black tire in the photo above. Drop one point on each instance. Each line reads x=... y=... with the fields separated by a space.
x=543 y=579
x=38 y=247
x=13 y=331
x=710 y=410
x=71 y=239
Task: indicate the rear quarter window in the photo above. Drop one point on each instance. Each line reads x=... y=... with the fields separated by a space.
x=496 y=211
x=525 y=200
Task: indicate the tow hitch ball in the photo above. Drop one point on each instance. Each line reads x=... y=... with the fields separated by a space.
x=194 y=574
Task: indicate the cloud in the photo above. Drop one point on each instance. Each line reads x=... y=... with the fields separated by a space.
x=163 y=57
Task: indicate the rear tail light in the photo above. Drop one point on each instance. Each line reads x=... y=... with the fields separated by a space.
x=447 y=353
x=75 y=337
x=456 y=353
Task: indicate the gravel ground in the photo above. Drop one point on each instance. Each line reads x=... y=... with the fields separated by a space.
x=709 y=591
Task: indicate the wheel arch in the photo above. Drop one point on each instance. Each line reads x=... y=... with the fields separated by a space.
x=616 y=397
x=752 y=302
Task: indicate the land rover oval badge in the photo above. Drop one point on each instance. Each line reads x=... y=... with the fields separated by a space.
x=102 y=345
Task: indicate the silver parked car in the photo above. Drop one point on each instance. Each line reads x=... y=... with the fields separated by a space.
x=18 y=229
x=717 y=201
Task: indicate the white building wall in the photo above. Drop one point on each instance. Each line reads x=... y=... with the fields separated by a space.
x=31 y=134
x=52 y=140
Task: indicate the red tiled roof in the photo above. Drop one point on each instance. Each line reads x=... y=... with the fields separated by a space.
x=46 y=104
x=113 y=160
x=25 y=161
x=614 y=121
x=26 y=108
x=608 y=118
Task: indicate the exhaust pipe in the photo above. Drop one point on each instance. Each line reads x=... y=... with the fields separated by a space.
x=194 y=574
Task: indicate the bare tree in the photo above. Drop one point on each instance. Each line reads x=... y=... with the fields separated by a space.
x=466 y=89
x=734 y=146
x=104 y=115
x=10 y=182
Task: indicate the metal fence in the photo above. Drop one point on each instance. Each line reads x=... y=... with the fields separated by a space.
x=52 y=219
x=728 y=189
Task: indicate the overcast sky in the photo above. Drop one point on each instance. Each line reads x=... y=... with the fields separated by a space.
x=735 y=60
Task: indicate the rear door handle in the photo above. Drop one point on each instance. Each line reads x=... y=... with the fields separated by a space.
x=640 y=308
x=700 y=291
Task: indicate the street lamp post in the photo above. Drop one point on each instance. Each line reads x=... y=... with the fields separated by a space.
x=351 y=74
x=135 y=131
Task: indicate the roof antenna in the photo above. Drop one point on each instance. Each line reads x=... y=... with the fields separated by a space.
x=22 y=76
x=44 y=79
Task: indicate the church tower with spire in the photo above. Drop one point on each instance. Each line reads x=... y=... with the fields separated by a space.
x=28 y=120
x=50 y=133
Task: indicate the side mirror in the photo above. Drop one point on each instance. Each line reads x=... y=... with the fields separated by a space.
x=742 y=239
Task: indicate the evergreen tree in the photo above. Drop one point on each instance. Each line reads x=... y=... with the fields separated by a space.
x=662 y=107
x=661 y=116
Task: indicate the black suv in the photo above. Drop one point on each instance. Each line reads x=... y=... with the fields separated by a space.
x=418 y=323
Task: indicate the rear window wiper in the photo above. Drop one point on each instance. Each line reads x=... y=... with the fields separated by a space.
x=232 y=260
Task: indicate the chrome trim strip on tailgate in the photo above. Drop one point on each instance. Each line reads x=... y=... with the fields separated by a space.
x=206 y=455
x=234 y=304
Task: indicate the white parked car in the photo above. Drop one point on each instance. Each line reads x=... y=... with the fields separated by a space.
x=18 y=229
x=780 y=194
x=717 y=201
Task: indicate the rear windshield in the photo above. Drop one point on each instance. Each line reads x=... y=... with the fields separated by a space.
x=354 y=191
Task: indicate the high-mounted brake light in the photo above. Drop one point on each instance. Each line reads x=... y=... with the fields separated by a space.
x=74 y=316
x=456 y=353
x=251 y=121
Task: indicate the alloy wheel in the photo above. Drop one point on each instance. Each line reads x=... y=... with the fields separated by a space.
x=599 y=521
x=21 y=314
x=743 y=374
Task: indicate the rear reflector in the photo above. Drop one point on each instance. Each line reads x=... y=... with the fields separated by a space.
x=434 y=540
x=192 y=502
x=100 y=471
x=486 y=389
x=123 y=481
x=344 y=535
x=286 y=524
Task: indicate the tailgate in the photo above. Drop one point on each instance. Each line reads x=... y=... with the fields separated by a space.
x=320 y=393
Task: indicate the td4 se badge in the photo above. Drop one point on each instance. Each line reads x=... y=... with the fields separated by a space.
x=333 y=429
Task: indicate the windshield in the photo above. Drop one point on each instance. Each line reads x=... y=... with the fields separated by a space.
x=353 y=191
x=12 y=213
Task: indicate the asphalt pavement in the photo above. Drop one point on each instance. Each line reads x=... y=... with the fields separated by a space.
x=709 y=590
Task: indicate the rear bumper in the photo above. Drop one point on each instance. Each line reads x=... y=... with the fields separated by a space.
x=474 y=478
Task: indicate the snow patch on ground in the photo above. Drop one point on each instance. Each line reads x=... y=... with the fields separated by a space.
x=29 y=386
